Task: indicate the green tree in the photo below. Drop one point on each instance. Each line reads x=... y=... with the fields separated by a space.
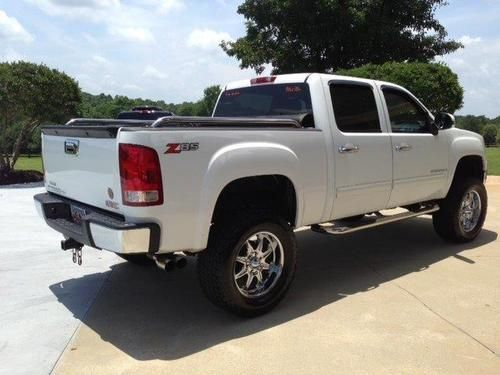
x=207 y=103
x=490 y=135
x=31 y=95
x=433 y=83
x=472 y=123
x=327 y=35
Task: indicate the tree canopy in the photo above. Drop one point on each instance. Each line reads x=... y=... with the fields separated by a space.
x=488 y=128
x=432 y=83
x=473 y=123
x=490 y=135
x=107 y=106
x=31 y=95
x=327 y=35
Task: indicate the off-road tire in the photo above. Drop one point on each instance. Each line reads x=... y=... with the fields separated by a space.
x=447 y=220
x=215 y=265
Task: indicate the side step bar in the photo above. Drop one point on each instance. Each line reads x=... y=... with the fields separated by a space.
x=343 y=226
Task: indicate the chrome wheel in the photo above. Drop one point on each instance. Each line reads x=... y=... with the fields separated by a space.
x=470 y=211
x=258 y=264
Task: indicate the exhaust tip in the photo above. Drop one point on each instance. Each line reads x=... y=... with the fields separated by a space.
x=169 y=265
x=181 y=263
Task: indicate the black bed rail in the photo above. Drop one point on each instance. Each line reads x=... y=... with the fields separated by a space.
x=108 y=122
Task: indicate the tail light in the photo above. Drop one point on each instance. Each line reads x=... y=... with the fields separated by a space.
x=140 y=175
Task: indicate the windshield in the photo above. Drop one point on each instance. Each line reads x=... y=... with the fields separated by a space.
x=265 y=100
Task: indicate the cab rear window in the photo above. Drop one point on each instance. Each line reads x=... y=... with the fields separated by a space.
x=265 y=100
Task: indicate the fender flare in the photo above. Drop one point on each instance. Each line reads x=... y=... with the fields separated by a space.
x=459 y=149
x=247 y=159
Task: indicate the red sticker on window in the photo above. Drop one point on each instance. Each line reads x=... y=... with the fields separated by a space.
x=292 y=89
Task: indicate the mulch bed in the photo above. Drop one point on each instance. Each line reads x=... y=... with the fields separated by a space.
x=20 y=177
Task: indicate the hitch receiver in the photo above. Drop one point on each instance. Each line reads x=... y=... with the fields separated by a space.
x=70 y=244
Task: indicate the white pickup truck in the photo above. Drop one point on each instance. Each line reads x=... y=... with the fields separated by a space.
x=279 y=153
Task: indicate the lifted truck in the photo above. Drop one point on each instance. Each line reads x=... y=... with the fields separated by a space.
x=279 y=153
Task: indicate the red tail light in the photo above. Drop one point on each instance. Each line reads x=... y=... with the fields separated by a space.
x=262 y=80
x=140 y=175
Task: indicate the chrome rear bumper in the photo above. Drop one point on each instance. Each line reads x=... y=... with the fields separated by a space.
x=97 y=228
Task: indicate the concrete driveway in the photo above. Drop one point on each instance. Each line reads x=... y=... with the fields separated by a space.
x=394 y=299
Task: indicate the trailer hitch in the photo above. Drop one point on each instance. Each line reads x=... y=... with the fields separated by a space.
x=76 y=249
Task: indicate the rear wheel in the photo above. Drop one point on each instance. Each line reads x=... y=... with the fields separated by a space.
x=249 y=264
x=462 y=212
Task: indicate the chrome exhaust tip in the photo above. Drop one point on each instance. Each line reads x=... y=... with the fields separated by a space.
x=181 y=262
x=169 y=262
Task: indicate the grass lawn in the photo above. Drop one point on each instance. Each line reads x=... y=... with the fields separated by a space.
x=33 y=163
x=492 y=153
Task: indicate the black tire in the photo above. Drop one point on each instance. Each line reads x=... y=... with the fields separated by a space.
x=217 y=264
x=139 y=259
x=447 y=220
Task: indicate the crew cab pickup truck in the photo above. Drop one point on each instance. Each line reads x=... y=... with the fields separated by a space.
x=279 y=153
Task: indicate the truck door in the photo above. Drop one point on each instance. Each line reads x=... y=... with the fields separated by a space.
x=363 y=156
x=420 y=158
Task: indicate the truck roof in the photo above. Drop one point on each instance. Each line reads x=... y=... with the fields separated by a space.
x=296 y=77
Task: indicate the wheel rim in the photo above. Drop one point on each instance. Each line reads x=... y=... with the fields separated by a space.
x=258 y=265
x=470 y=211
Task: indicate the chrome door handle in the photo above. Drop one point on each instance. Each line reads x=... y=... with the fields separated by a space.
x=348 y=148
x=403 y=147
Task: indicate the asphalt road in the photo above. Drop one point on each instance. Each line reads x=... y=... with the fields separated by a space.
x=388 y=300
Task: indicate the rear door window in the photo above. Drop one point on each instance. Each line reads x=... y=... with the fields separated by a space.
x=355 y=108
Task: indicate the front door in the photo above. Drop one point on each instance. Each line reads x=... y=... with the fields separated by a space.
x=363 y=156
x=420 y=158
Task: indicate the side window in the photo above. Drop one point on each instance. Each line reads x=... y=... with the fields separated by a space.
x=355 y=108
x=406 y=116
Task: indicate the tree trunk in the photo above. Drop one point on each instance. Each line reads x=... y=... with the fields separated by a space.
x=4 y=165
x=4 y=154
x=26 y=131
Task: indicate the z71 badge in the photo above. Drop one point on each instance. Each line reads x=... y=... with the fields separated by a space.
x=177 y=148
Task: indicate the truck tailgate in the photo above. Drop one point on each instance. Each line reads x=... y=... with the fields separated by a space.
x=82 y=166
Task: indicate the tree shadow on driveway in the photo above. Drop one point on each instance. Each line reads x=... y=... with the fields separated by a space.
x=149 y=314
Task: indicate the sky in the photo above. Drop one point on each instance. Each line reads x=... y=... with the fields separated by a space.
x=169 y=49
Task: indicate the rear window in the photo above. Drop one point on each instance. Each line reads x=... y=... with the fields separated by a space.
x=139 y=115
x=265 y=100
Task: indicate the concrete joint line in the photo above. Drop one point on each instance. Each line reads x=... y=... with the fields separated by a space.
x=431 y=310
x=446 y=320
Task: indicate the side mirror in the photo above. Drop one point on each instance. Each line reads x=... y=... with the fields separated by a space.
x=434 y=128
x=444 y=120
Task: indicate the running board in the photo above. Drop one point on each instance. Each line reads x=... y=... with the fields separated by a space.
x=343 y=226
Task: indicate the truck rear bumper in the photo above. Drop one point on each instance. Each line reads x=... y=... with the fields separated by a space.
x=97 y=228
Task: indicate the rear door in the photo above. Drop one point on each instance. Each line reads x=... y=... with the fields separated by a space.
x=363 y=156
x=420 y=158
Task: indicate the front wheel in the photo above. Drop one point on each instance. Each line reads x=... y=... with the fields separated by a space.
x=462 y=212
x=249 y=264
